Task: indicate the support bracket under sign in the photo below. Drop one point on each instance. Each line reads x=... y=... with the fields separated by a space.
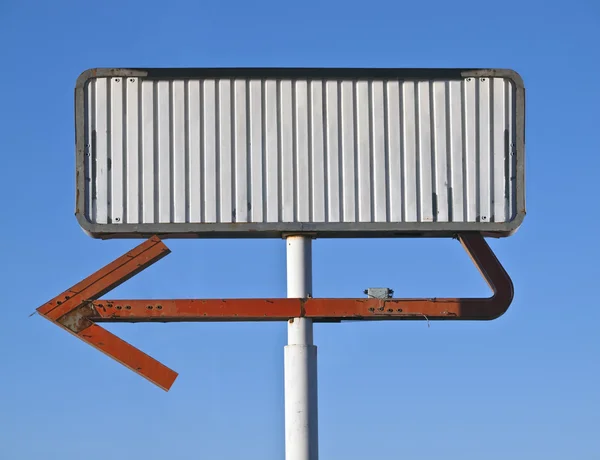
x=79 y=309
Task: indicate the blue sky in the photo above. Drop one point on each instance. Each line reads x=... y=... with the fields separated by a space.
x=524 y=386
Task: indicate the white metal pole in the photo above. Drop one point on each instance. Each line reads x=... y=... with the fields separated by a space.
x=301 y=403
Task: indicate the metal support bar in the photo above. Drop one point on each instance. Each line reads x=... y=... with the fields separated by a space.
x=78 y=308
x=328 y=309
x=301 y=401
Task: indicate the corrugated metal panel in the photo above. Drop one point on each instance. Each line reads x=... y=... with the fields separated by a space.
x=225 y=150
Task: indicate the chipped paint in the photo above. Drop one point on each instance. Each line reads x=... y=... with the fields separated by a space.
x=78 y=309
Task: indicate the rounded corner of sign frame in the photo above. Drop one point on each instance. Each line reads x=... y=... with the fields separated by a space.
x=85 y=225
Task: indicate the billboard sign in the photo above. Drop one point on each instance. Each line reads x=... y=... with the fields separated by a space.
x=251 y=152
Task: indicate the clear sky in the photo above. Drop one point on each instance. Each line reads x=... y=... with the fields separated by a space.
x=521 y=387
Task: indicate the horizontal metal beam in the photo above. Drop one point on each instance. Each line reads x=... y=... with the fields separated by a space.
x=326 y=309
x=78 y=309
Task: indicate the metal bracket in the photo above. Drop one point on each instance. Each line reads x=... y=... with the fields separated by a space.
x=78 y=309
x=379 y=293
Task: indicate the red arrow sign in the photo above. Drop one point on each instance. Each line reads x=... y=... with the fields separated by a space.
x=78 y=309
x=68 y=310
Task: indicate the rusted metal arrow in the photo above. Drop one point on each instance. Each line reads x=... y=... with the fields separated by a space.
x=78 y=309
x=73 y=311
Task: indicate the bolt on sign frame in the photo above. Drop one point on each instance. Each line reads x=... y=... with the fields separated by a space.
x=296 y=154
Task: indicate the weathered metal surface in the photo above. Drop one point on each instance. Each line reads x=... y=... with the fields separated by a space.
x=328 y=309
x=78 y=309
x=379 y=293
x=78 y=319
x=262 y=152
x=129 y=356
x=106 y=279
x=197 y=310
x=74 y=311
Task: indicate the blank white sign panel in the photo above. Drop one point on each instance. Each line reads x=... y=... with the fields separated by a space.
x=233 y=155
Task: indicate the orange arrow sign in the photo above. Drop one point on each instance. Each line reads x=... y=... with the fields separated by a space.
x=78 y=309
x=68 y=311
